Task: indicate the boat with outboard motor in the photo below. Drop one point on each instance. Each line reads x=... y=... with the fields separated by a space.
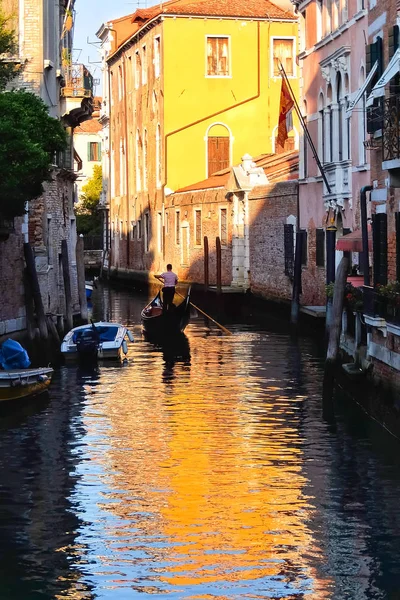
x=97 y=341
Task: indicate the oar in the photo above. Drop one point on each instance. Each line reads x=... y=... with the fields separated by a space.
x=224 y=329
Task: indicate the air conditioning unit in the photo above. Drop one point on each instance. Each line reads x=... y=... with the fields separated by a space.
x=48 y=64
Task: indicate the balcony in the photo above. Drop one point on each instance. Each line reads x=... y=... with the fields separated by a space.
x=76 y=94
x=391 y=139
x=385 y=307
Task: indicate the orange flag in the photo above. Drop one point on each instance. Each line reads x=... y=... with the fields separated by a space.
x=286 y=105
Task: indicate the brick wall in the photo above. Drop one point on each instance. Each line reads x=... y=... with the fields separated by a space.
x=268 y=215
x=12 y=302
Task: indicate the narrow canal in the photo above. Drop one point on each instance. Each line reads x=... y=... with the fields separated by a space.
x=209 y=473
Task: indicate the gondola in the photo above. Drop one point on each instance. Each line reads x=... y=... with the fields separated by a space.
x=158 y=324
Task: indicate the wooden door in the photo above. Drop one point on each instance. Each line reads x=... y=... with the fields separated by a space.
x=218 y=154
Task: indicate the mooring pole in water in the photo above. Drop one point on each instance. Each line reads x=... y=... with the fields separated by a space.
x=30 y=313
x=34 y=285
x=206 y=275
x=67 y=284
x=218 y=257
x=294 y=317
x=335 y=325
x=80 y=267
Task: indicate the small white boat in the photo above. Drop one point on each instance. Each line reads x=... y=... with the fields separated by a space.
x=21 y=383
x=110 y=341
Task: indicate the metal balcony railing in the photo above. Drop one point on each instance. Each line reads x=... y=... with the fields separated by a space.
x=78 y=82
x=377 y=305
x=391 y=128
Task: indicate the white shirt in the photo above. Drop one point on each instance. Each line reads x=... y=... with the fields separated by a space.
x=170 y=279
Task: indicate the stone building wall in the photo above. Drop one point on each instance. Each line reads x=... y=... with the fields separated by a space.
x=269 y=210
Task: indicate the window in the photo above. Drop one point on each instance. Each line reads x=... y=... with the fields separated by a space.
x=139 y=229
x=157 y=55
x=340 y=117
x=145 y=159
x=137 y=69
x=159 y=232
x=223 y=215
x=120 y=83
x=197 y=225
x=303 y=233
x=133 y=230
x=283 y=52
x=379 y=237
x=178 y=227
x=218 y=154
x=320 y=248
x=137 y=158
x=217 y=56
x=94 y=151
x=146 y=232
x=121 y=227
x=305 y=146
x=144 y=65
x=397 y=221
x=158 y=155
x=287 y=147
x=289 y=249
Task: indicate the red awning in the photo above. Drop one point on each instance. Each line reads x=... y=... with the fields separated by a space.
x=352 y=242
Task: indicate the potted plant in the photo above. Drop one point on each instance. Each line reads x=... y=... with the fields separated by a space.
x=390 y=296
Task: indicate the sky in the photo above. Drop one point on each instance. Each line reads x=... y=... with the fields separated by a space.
x=90 y=15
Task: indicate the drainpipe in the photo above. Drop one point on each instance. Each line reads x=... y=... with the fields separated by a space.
x=364 y=232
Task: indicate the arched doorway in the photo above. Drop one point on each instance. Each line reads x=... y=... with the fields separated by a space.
x=218 y=148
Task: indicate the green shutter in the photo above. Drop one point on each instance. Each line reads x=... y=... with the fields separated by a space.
x=88 y=151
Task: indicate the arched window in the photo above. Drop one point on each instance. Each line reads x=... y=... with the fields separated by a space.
x=304 y=142
x=158 y=155
x=218 y=149
x=362 y=158
x=339 y=95
x=145 y=159
x=329 y=129
x=321 y=128
x=137 y=158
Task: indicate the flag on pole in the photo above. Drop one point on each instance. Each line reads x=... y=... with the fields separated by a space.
x=285 y=123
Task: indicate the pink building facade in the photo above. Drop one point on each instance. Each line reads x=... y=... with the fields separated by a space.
x=332 y=62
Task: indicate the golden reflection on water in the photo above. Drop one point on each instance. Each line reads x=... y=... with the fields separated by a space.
x=202 y=470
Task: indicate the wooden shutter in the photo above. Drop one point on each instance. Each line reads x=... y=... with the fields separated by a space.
x=218 y=154
x=320 y=248
x=379 y=236
x=289 y=250
x=303 y=232
x=198 y=227
x=394 y=85
x=224 y=230
x=374 y=53
x=397 y=217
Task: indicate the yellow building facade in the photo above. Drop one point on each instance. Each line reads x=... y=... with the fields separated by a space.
x=193 y=87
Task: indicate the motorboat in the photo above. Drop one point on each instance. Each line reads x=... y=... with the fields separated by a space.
x=17 y=380
x=21 y=383
x=97 y=341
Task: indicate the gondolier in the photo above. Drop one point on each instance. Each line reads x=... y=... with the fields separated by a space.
x=169 y=279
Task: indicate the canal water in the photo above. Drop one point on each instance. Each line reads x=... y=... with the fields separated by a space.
x=210 y=470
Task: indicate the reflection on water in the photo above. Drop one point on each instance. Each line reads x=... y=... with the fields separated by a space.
x=202 y=468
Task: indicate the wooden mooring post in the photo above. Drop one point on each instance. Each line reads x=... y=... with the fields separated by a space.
x=218 y=259
x=67 y=284
x=80 y=266
x=335 y=325
x=34 y=286
x=206 y=272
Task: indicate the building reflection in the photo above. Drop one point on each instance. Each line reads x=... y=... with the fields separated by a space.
x=206 y=476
